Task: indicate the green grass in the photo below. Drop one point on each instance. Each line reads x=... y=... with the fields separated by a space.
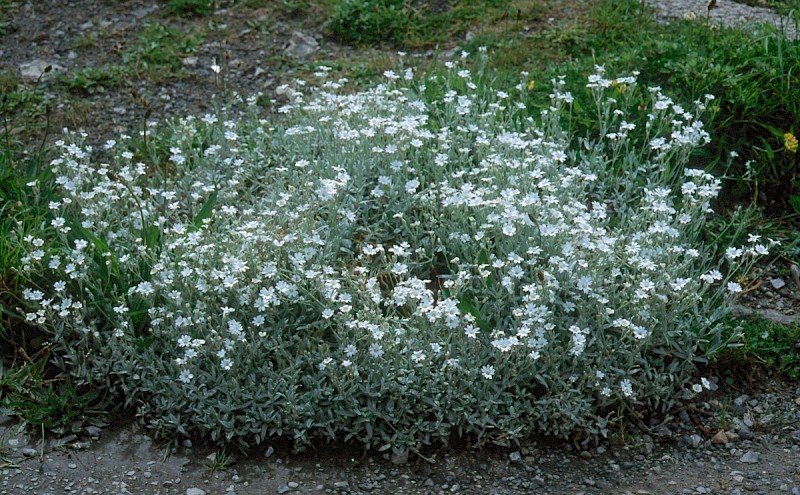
x=159 y=50
x=95 y=79
x=768 y=349
x=190 y=8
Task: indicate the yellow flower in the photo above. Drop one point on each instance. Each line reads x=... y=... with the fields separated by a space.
x=790 y=142
x=531 y=85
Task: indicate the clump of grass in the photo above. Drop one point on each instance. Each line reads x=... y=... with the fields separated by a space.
x=200 y=8
x=159 y=50
x=95 y=79
x=767 y=349
x=369 y=21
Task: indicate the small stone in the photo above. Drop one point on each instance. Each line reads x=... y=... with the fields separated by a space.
x=777 y=283
x=292 y=484
x=143 y=11
x=750 y=457
x=400 y=459
x=795 y=274
x=515 y=457
x=694 y=441
x=600 y=450
x=341 y=485
x=796 y=437
x=585 y=454
x=72 y=466
x=722 y=437
x=93 y=431
x=195 y=491
x=38 y=68
x=269 y=452
x=147 y=474
x=429 y=483
x=189 y=61
x=284 y=489
x=663 y=431
x=29 y=452
x=301 y=45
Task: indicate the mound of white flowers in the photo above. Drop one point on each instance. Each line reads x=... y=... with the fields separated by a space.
x=390 y=266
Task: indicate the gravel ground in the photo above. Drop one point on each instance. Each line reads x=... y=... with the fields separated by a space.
x=728 y=443
x=725 y=12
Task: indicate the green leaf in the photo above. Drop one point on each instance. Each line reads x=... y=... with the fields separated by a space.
x=795 y=202
x=205 y=211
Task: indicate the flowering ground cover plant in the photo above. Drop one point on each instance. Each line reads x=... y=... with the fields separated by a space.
x=391 y=266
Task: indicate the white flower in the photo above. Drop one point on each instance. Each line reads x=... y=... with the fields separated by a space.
x=375 y=350
x=185 y=376
x=697 y=388
x=411 y=186
x=626 y=387
x=734 y=287
x=487 y=371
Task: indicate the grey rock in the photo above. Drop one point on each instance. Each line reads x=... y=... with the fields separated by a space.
x=284 y=489
x=750 y=457
x=93 y=431
x=693 y=441
x=301 y=45
x=796 y=437
x=38 y=68
x=795 y=275
x=269 y=452
x=195 y=491
x=143 y=11
x=515 y=457
x=777 y=283
x=29 y=452
x=341 y=485
x=663 y=431
x=400 y=459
